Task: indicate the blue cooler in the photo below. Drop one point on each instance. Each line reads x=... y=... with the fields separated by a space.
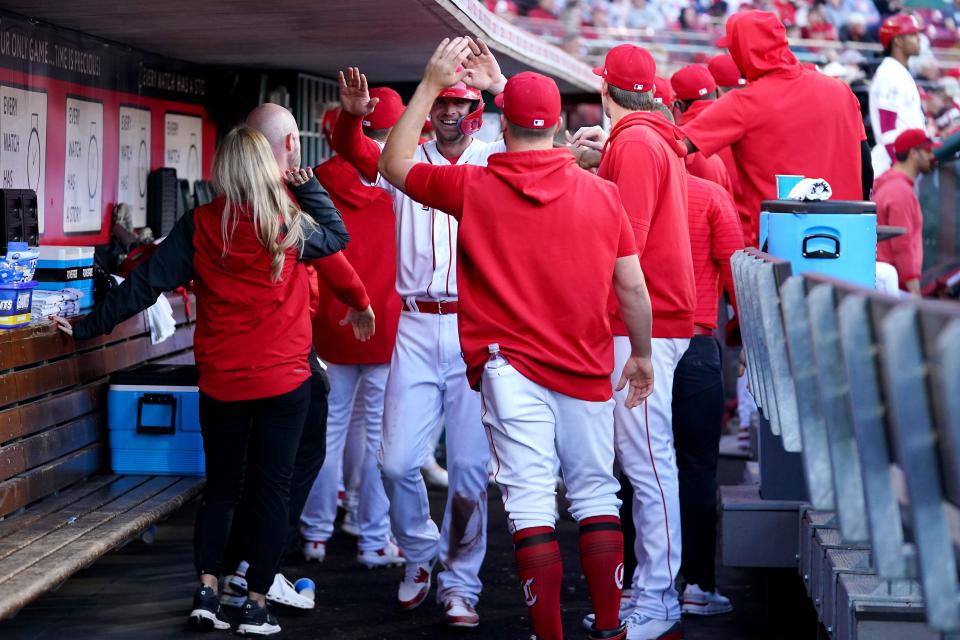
x=60 y=268
x=834 y=237
x=153 y=416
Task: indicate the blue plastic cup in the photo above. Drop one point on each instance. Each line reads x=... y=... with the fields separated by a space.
x=785 y=184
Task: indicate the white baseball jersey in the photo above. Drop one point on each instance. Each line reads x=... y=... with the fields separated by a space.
x=427 y=239
x=894 y=92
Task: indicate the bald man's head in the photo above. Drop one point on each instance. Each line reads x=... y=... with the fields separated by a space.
x=280 y=129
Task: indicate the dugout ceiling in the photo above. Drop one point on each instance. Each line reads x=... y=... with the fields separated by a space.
x=389 y=39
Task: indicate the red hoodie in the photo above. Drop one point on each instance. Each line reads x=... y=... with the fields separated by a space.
x=537 y=246
x=644 y=157
x=712 y=168
x=240 y=305
x=897 y=205
x=368 y=215
x=787 y=120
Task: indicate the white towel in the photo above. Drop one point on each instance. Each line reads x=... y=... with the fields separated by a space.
x=162 y=324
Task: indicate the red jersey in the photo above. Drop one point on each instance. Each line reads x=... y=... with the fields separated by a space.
x=817 y=136
x=368 y=215
x=714 y=237
x=644 y=158
x=897 y=205
x=709 y=168
x=539 y=239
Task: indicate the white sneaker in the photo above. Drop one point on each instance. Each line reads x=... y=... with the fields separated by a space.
x=388 y=556
x=457 y=612
x=697 y=602
x=415 y=584
x=349 y=525
x=640 y=627
x=435 y=476
x=314 y=550
x=626 y=608
x=281 y=591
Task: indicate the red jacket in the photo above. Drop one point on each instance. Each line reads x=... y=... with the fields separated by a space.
x=368 y=215
x=897 y=205
x=644 y=158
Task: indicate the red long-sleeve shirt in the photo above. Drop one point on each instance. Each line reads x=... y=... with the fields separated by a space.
x=714 y=236
x=897 y=205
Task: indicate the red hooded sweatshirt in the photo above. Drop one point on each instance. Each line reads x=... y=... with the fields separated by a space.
x=644 y=157
x=536 y=251
x=241 y=305
x=368 y=215
x=787 y=120
x=897 y=205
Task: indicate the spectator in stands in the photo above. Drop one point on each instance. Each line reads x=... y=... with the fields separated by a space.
x=897 y=205
x=545 y=10
x=644 y=14
x=251 y=358
x=865 y=9
x=818 y=27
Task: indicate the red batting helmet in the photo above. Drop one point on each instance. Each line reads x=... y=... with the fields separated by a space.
x=898 y=25
x=470 y=123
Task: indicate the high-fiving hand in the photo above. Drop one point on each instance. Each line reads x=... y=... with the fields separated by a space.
x=355 y=93
x=446 y=65
x=483 y=70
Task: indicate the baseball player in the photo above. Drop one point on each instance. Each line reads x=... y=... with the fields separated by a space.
x=541 y=242
x=427 y=381
x=358 y=370
x=787 y=120
x=894 y=98
x=694 y=90
x=726 y=74
x=644 y=156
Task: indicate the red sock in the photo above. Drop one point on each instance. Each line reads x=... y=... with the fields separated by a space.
x=601 y=557
x=541 y=572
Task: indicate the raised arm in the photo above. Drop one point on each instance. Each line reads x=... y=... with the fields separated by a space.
x=348 y=139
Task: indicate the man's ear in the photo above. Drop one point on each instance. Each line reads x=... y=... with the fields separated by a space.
x=289 y=142
x=604 y=91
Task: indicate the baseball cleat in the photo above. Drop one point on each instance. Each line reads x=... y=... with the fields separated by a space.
x=415 y=584
x=697 y=602
x=314 y=550
x=626 y=608
x=640 y=627
x=457 y=612
x=388 y=556
x=234 y=592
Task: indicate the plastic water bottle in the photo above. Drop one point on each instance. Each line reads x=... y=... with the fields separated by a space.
x=306 y=588
x=496 y=360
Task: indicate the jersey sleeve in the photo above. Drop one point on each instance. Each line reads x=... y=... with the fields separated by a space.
x=359 y=150
x=627 y=245
x=719 y=126
x=342 y=279
x=440 y=187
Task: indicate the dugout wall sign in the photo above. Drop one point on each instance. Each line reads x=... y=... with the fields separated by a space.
x=83 y=121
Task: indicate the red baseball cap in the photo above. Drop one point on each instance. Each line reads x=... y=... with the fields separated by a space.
x=661 y=90
x=914 y=139
x=629 y=67
x=724 y=70
x=692 y=82
x=387 y=111
x=530 y=100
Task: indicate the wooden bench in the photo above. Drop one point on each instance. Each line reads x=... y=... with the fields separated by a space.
x=59 y=508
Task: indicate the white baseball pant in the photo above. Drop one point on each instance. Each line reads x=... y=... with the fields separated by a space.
x=645 y=453
x=356 y=404
x=529 y=427
x=428 y=382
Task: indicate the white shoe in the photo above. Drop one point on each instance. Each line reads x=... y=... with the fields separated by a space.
x=388 y=556
x=415 y=584
x=695 y=601
x=640 y=627
x=314 y=550
x=435 y=476
x=626 y=608
x=349 y=525
x=457 y=612
x=281 y=591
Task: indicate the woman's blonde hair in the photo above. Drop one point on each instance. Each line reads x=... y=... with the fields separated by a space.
x=246 y=172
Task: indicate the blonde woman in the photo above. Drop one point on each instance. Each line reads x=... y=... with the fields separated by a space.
x=244 y=253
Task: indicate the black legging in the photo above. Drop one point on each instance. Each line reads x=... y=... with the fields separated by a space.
x=249 y=444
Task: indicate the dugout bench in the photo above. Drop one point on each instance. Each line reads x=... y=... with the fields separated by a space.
x=60 y=509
